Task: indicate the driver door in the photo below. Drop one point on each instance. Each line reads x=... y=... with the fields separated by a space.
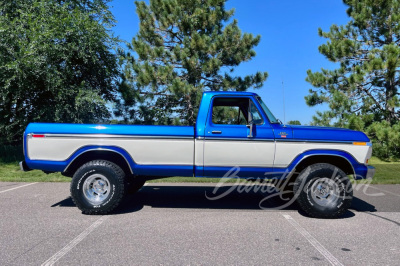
x=239 y=135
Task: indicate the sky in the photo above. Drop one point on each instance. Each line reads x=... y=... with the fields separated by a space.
x=288 y=47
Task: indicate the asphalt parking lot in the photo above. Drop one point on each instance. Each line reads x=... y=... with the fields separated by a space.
x=176 y=224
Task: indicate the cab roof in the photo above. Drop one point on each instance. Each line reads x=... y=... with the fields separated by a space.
x=236 y=93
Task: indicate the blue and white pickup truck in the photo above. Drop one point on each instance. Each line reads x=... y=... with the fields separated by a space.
x=233 y=129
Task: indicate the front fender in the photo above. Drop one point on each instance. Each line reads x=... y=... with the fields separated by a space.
x=360 y=170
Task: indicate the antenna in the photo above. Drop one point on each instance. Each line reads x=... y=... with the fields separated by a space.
x=284 y=113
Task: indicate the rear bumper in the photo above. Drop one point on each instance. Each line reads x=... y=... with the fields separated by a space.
x=24 y=167
x=370 y=172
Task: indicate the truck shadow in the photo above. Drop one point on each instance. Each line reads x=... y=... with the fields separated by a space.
x=203 y=197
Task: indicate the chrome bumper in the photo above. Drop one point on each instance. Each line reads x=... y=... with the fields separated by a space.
x=370 y=172
x=24 y=167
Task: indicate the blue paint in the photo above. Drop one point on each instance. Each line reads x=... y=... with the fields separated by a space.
x=263 y=131
x=282 y=132
x=156 y=170
x=359 y=169
x=328 y=133
x=128 y=130
x=198 y=171
x=205 y=107
x=60 y=166
x=47 y=166
x=204 y=127
x=275 y=172
x=237 y=132
x=187 y=170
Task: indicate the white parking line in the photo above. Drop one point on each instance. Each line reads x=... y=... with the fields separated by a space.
x=318 y=246
x=74 y=242
x=17 y=187
x=383 y=190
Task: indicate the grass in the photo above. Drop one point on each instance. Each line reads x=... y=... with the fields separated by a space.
x=386 y=172
x=10 y=172
x=375 y=160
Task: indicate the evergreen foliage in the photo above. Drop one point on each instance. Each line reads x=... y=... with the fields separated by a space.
x=363 y=90
x=294 y=122
x=183 y=47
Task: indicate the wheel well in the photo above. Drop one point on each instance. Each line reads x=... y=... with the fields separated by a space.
x=98 y=155
x=337 y=161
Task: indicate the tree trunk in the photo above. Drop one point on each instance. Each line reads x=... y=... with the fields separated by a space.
x=190 y=110
x=389 y=109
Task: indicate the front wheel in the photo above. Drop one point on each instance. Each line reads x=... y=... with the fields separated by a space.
x=323 y=191
x=97 y=187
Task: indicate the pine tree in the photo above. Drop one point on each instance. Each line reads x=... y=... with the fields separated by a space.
x=364 y=88
x=183 y=47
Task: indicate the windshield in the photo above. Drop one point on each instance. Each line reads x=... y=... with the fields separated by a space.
x=270 y=116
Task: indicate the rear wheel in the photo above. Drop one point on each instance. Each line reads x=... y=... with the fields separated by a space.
x=97 y=187
x=323 y=191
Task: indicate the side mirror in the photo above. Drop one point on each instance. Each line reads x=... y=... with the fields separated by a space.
x=250 y=122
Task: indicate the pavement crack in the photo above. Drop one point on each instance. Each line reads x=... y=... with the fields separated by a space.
x=29 y=250
x=384 y=218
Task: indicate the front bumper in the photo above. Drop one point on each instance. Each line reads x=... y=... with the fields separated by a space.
x=370 y=172
x=24 y=167
x=363 y=171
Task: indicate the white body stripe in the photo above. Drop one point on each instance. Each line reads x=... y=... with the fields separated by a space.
x=286 y=152
x=199 y=152
x=239 y=153
x=143 y=151
x=159 y=151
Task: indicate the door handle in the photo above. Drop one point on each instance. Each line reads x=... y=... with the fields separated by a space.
x=216 y=131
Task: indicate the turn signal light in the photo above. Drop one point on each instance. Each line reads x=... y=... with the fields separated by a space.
x=360 y=143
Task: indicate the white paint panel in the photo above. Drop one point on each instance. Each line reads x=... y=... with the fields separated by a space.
x=286 y=152
x=199 y=152
x=239 y=153
x=143 y=151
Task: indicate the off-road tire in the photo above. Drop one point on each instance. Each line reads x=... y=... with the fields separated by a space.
x=320 y=184
x=114 y=177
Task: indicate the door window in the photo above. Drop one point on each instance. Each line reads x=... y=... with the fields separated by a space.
x=257 y=119
x=234 y=111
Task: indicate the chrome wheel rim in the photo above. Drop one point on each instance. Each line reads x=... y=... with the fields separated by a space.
x=325 y=191
x=96 y=189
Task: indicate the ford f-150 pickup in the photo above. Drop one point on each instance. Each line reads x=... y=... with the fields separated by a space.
x=233 y=129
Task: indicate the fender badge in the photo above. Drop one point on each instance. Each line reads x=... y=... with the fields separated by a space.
x=283 y=134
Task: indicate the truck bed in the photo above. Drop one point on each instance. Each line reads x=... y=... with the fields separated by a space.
x=56 y=145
